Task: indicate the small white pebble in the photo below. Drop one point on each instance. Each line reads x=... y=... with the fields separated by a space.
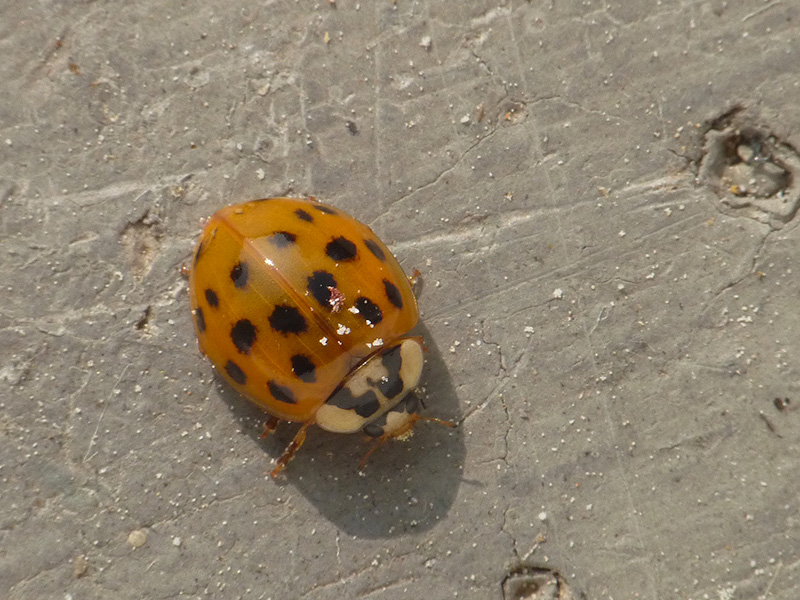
x=137 y=538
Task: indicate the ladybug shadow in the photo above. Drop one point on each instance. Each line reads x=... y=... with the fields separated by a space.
x=405 y=486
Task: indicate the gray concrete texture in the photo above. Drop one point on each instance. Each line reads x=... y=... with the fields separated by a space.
x=601 y=197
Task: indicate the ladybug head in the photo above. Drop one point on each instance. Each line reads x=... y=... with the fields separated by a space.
x=397 y=422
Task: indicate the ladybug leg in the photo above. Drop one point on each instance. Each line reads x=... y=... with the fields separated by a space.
x=415 y=278
x=269 y=426
x=375 y=445
x=440 y=422
x=292 y=448
x=402 y=434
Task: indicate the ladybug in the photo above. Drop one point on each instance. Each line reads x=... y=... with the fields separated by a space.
x=304 y=311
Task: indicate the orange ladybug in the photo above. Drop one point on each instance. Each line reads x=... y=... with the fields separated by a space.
x=303 y=310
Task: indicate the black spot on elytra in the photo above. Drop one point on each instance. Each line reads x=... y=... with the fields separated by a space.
x=282 y=239
x=287 y=319
x=211 y=298
x=376 y=249
x=281 y=393
x=239 y=274
x=369 y=310
x=365 y=405
x=325 y=209
x=198 y=252
x=200 y=319
x=243 y=335
x=393 y=294
x=319 y=286
x=341 y=249
x=304 y=215
x=235 y=372
x=304 y=368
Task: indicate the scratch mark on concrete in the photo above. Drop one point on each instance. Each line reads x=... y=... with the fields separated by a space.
x=89 y=455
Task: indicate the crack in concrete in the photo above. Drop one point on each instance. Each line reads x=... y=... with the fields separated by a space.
x=505 y=373
x=752 y=271
x=507 y=433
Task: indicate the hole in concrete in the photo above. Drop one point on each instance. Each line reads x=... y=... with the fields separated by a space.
x=752 y=171
x=141 y=242
x=535 y=583
x=142 y=322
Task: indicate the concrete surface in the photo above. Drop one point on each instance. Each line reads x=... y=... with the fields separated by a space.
x=601 y=197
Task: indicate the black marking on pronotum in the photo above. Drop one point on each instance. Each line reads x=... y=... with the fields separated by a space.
x=281 y=393
x=365 y=405
x=325 y=209
x=282 y=239
x=391 y=385
x=200 y=319
x=320 y=285
x=341 y=249
x=211 y=298
x=376 y=428
x=239 y=274
x=304 y=215
x=235 y=372
x=369 y=310
x=243 y=335
x=287 y=319
x=393 y=294
x=304 y=368
x=376 y=249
